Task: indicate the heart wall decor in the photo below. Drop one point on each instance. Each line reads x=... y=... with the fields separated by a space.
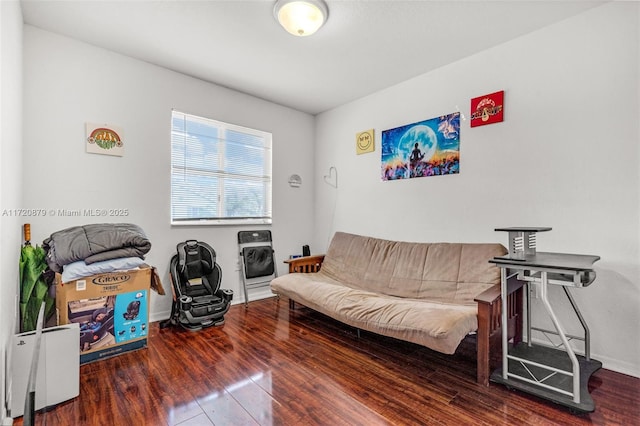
x=332 y=177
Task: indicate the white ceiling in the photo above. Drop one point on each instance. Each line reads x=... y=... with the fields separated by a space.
x=365 y=45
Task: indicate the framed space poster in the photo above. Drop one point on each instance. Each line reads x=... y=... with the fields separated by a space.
x=104 y=139
x=426 y=148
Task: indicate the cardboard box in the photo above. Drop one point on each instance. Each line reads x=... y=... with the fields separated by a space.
x=112 y=310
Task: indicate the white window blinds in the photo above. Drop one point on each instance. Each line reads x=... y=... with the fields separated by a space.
x=220 y=172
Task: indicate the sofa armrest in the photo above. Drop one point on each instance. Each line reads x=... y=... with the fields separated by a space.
x=489 y=342
x=305 y=264
x=492 y=294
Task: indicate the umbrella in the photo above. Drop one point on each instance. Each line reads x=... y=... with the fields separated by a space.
x=33 y=286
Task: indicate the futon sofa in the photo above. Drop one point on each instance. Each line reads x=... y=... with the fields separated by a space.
x=432 y=294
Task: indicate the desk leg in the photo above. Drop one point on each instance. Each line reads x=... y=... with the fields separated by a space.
x=587 y=335
x=504 y=324
x=574 y=360
x=528 y=290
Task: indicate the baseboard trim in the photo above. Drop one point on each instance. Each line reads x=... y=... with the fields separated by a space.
x=163 y=315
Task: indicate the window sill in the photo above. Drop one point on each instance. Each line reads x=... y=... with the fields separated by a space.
x=220 y=222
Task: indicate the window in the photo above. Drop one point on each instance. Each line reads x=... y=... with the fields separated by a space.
x=220 y=172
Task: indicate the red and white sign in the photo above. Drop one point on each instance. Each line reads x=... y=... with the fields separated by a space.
x=487 y=109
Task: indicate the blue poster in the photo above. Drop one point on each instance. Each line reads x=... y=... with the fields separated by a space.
x=131 y=320
x=426 y=148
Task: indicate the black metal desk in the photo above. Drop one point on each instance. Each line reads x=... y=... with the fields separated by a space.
x=556 y=374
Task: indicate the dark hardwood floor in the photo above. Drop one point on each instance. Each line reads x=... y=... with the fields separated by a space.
x=269 y=365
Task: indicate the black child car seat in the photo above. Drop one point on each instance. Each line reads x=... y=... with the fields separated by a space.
x=133 y=309
x=195 y=277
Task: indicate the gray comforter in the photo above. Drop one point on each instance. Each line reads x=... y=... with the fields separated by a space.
x=94 y=243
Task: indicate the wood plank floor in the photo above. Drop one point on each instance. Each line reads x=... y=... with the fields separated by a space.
x=268 y=365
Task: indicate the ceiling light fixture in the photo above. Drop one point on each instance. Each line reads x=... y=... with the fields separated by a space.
x=301 y=17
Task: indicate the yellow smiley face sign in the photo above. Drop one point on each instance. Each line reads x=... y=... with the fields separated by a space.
x=365 y=142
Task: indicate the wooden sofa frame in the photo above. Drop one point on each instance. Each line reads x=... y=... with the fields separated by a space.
x=489 y=334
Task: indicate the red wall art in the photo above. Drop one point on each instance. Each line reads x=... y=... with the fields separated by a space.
x=487 y=109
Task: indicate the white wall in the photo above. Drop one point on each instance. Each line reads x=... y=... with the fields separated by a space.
x=68 y=83
x=10 y=173
x=566 y=156
x=10 y=182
